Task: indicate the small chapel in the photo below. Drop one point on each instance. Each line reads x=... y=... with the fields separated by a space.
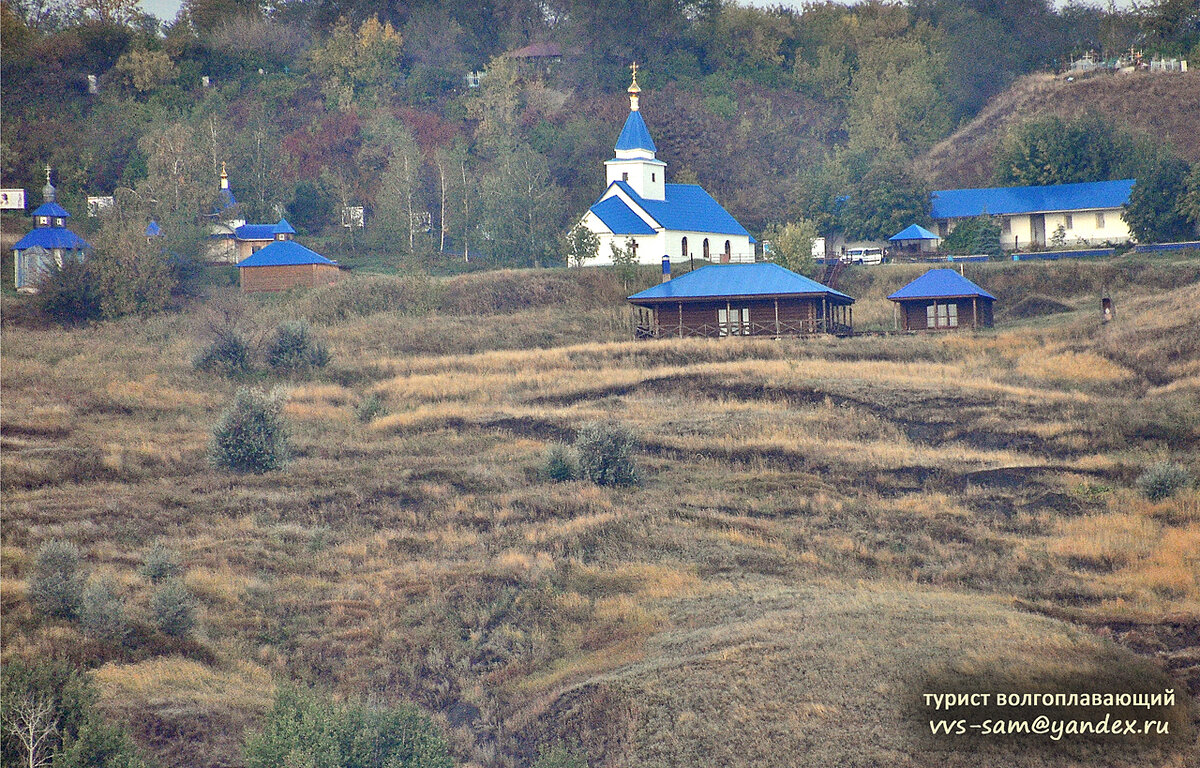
x=657 y=220
x=230 y=239
x=50 y=244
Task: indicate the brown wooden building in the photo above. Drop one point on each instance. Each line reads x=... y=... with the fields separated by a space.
x=942 y=300
x=742 y=300
x=285 y=264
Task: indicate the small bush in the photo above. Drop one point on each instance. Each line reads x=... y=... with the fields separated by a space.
x=295 y=348
x=1162 y=480
x=69 y=294
x=56 y=585
x=161 y=563
x=103 y=612
x=606 y=454
x=252 y=435
x=173 y=609
x=370 y=408
x=561 y=463
x=228 y=355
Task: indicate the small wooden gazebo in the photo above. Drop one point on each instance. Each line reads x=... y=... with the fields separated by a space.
x=942 y=300
x=742 y=300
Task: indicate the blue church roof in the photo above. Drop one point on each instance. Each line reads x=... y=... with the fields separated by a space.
x=50 y=209
x=635 y=134
x=1088 y=195
x=226 y=200
x=51 y=238
x=688 y=208
x=620 y=218
x=914 y=232
x=255 y=232
x=283 y=253
x=721 y=280
x=940 y=284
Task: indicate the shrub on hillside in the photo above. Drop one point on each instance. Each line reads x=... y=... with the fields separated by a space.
x=252 y=435
x=370 y=408
x=1163 y=479
x=103 y=612
x=561 y=463
x=173 y=609
x=228 y=355
x=606 y=454
x=56 y=585
x=68 y=295
x=295 y=348
x=305 y=728
x=161 y=563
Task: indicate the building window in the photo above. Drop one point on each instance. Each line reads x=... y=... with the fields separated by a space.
x=1100 y=220
x=1006 y=225
x=1068 y=221
x=734 y=321
x=683 y=248
x=941 y=316
x=705 y=248
x=653 y=177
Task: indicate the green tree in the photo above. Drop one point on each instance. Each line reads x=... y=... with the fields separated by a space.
x=1153 y=212
x=792 y=244
x=1052 y=150
x=57 y=582
x=355 y=62
x=252 y=435
x=581 y=244
x=494 y=106
x=304 y=728
x=402 y=211
x=625 y=262
x=886 y=200
x=523 y=208
x=1188 y=204
x=979 y=235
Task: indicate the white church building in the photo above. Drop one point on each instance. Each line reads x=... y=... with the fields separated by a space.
x=679 y=221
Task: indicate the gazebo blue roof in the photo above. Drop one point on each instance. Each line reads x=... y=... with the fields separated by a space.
x=52 y=209
x=284 y=253
x=51 y=238
x=153 y=230
x=1083 y=196
x=914 y=232
x=940 y=284
x=635 y=134
x=727 y=280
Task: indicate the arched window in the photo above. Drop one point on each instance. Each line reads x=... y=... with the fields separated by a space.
x=683 y=248
x=706 y=253
x=725 y=257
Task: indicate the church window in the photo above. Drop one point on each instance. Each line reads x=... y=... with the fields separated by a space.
x=683 y=251
x=653 y=177
x=624 y=177
x=706 y=249
x=1099 y=221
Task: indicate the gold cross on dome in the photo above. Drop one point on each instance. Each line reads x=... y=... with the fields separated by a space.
x=634 y=68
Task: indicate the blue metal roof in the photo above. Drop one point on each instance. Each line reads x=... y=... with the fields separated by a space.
x=227 y=200
x=940 y=284
x=620 y=218
x=50 y=209
x=51 y=238
x=283 y=253
x=635 y=134
x=914 y=232
x=722 y=280
x=283 y=228
x=255 y=232
x=153 y=230
x=688 y=208
x=1088 y=195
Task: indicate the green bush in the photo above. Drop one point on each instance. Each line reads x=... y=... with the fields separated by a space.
x=57 y=582
x=68 y=294
x=103 y=612
x=161 y=563
x=294 y=348
x=1163 y=479
x=252 y=435
x=370 y=408
x=228 y=355
x=560 y=757
x=561 y=463
x=606 y=454
x=304 y=728
x=173 y=609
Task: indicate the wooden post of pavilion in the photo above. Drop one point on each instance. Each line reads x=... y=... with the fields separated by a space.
x=776 y=317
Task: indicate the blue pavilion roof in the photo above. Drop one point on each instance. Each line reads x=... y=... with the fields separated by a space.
x=635 y=134
x=722 y=280
x=687 y=208
x=620 y=218
x=51 y=238
x=153 y=230
x=282 y=253
x=1083 y=196
x=255 y=232
x=50 y=209
x=940 y=284
x=914 y=232
x=284 y=228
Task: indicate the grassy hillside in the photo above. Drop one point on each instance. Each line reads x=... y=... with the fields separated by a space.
x=1161 y=106
x=825 y=524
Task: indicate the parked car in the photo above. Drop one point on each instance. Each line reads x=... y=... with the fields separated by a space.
x=863 y=256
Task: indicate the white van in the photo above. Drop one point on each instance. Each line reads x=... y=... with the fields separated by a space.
x=864 y=256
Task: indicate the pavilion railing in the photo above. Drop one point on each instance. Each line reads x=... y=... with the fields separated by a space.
x=717 y=330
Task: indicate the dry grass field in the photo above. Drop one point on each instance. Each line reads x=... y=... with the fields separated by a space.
x=824 y=524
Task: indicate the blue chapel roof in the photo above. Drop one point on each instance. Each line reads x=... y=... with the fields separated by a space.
x=283 y=253
x=51 y=238
x=939 y=284
x=720 y=280
x=687 y=208
x=50 y=209
x=1082 y=196
x=620 y=218
x=635 y=134
x=284 y=228
x=255 y=232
